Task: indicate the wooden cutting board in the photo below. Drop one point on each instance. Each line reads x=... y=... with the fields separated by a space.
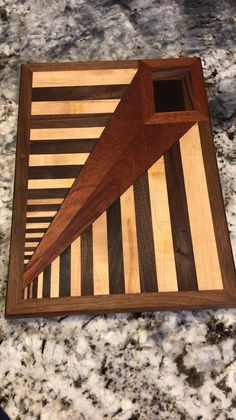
x=117 y=201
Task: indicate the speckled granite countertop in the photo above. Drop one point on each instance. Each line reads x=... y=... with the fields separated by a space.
x=138 y=366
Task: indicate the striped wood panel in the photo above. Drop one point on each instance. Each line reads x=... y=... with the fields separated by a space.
x=158 y=236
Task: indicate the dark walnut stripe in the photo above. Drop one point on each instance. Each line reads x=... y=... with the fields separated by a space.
x=38 y=219
x=54 y=172
x=69 y=120
x=35 y=288
x=46 y=282
x=33 y=239
x=43 y=207
x=27 y=257
x=65 y=269
x=115 y=251
x=62 y=146
x=49 y=193
x=87 y=262
x=35 y=230
x=146 y=251
x=182 y=241
x=78 y=93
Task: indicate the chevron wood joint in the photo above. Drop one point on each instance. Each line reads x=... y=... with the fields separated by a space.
x=117 y=201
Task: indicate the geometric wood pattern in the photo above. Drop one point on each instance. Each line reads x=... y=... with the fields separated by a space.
x=160 y=239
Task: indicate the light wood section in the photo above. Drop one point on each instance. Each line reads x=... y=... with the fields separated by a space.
x=31 y=244
x=83 y=77
x=58 y=159
x=100 y=256
x=163 y=242
x=40 y=213
x=66 y=133
x=76 y=267
x=54 y=285
x=39 y=201
x=35 y=225
x=29 y=252
x=129 y=240
x=40 y=286
x=74 y=107
x=50 y=183
x=34 y=235
x=201 y=224
x=26 y=261
x=25 y=292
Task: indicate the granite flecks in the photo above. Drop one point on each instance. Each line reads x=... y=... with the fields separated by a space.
x=137 y=366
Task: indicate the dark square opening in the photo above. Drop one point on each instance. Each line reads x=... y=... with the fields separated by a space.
x=172 y=90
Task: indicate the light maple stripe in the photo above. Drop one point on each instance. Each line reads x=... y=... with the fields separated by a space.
x=129 y=242
x=82 y=77
x=59 y=159
x=76 y=267
x=74 y=107
x=50 y=183
x=40 y=286
x=29 y=252
x=40 y=214
x=35 y=225
x=201 y=224
x=41 y=201
x=54 y=283
x=100 y=256
x=163 y=242
x=31 y=244
x=34 y=235
x=65 y=133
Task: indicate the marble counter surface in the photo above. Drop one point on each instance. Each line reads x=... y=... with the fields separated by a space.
x=136 y=366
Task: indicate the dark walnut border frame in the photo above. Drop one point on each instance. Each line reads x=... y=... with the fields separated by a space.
x=17 y=307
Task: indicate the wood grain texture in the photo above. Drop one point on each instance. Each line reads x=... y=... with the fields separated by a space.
x=50 y=183
x=58 y=159
x=182 y=240
x=71 y=93
x=76 y=267
x=55 y=273
x=100 y=256
x=147 y=265
x=83 y=77
x=163 y=242
x=201 y=224
x=65 y=133
x=130 y=242
x=87 y=262
x=44 y=201
x=94 y=106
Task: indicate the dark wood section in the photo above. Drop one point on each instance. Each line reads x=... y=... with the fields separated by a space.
x=86 y=65
x=43 y=207
x=49 y=193
x=38 y=219
x=62 y=146
x=29 y=249
x=87 y=262
x=182 y=241
x=50 y=172
x=35 y=288
x=64 y=121
x=46 y=282
x=115 y=251
x=33 y=239
x=35 y=230
x=78 y=93
x=146 y=252
x=65 y=269
x=16 y=260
